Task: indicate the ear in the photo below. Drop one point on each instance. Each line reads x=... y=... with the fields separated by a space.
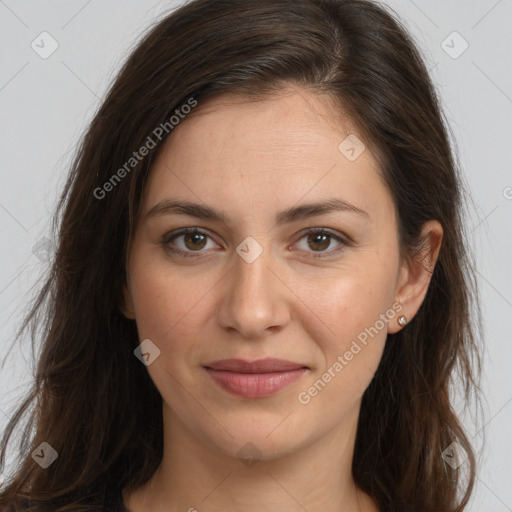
x=127 y=306
x=415 y=274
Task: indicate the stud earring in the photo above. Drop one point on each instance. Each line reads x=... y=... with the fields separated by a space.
x=402 y=320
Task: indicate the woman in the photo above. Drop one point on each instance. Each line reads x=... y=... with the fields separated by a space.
x=261 y=291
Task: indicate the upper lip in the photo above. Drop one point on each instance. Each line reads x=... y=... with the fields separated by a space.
x=267 y=365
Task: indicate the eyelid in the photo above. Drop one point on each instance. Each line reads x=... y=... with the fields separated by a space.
x=343 y=240
x=169 y=237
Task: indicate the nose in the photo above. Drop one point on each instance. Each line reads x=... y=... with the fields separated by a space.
x=255 y=299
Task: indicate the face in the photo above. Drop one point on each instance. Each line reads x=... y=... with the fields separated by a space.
x=314 y=286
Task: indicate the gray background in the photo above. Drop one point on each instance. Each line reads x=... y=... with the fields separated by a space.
x=45 y=105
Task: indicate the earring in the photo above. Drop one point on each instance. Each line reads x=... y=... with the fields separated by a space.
x=402 y=320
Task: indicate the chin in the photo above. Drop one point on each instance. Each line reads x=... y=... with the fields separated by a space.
x=262 y=436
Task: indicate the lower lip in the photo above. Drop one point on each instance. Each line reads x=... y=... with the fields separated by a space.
x=255 y=385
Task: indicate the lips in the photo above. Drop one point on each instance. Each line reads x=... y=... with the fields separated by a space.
x=256 y=379
x=268 y=365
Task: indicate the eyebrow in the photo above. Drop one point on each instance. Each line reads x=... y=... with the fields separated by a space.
x=201 y=211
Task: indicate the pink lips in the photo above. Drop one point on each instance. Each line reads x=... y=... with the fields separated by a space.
x=255 y=379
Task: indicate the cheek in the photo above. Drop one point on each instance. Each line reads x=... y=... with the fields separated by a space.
x=350 y=350
x=173 y=307
x=170 y=311
x=355 y=310
x=162 y=296
x=352 y=302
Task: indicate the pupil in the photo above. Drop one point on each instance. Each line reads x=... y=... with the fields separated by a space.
x=196 y=238
x=317 y=239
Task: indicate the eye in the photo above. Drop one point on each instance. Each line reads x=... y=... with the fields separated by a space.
x=320 y=239
x=191 y=240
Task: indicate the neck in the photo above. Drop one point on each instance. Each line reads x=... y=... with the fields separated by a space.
x=196 y=476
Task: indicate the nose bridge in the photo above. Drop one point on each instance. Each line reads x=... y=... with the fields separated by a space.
x=253 y=300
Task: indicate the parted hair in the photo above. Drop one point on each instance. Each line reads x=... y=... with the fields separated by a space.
x=93 y=401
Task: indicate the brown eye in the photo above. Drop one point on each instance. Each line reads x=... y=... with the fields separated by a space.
x=320 y=241
x=194 y=241
x=188 y=242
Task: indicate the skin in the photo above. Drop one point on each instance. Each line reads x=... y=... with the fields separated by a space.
x=251 y=160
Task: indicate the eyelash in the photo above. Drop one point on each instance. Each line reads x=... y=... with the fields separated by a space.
x=195 y=254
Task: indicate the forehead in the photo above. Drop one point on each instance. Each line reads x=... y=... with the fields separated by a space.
x=275 y=151
x=291 y=118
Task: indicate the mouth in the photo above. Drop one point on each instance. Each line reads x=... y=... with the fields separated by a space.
x=255 y=379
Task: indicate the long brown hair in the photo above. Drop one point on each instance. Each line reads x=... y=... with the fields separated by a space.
x=93 y=401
